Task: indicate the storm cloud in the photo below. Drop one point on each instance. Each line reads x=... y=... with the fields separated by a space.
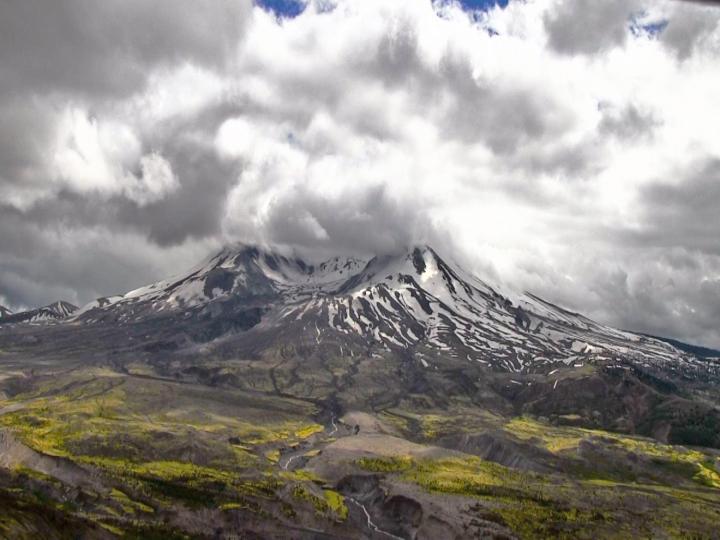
x=565 y=147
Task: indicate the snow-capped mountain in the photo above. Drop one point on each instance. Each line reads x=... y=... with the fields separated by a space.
x=4 y=312
x=244 y=274
x=52 y=312
x=413 y=302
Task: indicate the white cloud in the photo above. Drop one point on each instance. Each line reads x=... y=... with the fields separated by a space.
x=106 y=158
x=176 y=92
x=528 y=155
x=155 y=181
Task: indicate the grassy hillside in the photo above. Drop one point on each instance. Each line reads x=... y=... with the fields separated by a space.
x=136 y=455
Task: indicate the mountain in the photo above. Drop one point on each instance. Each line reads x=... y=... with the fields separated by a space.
x=414 y=302
x=52 y=312
x=4 y=312
x=265 y=395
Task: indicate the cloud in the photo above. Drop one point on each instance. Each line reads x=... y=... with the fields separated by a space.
x=558 y=146
x=690 y=24
x=80 y=263
x=109 y=48
x=683 y=214
x=588 y=26
x=107 y=158
x=627 y=123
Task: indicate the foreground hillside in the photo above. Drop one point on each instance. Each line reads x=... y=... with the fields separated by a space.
x=136 y=454
x=260 y=396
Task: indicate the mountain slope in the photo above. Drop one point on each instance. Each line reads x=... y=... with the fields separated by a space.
x=4 y=312
x=52 y=312
x=701 y=352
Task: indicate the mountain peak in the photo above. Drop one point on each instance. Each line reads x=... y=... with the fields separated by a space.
x=52 y=312
x=62 y=307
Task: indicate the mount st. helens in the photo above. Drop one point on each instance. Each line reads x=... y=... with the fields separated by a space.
x=261 y=395
x=413 y=303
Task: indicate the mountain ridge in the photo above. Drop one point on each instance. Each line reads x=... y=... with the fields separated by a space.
x=56 y=311
x=412 y=300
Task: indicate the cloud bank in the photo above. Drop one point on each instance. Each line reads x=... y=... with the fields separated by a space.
x=566 y=147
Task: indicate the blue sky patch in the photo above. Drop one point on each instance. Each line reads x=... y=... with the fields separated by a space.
x=293 y=8
x=642 y=26
x=283 y=8
x=482 y=5
x=653 y=29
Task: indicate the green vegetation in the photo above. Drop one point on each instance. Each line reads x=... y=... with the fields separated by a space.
x=389 y=464
x=308 y=431
x=336 y=503
x=128 y=505
x=207 y=450
x=696 y=427
x=330 y=504
x=157 y=451
x=466 y=418
x=543 y=506
x=103 y=416
x=553 y=438
x=691 y=464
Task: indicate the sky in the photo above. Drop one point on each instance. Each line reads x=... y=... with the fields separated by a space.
x=566 y=147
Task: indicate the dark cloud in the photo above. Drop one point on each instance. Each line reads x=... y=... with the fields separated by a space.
x=684 y=213
x=627 y=123
x=24 y=136
x=370 y=221
x=196 y=209
x=574 y=161
x=690 y=23
x=658 y=301
x=589 y=26
x=44 y=259
x=505 y=119
x=107 y=48
x=659 y=274
x=398 y=60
